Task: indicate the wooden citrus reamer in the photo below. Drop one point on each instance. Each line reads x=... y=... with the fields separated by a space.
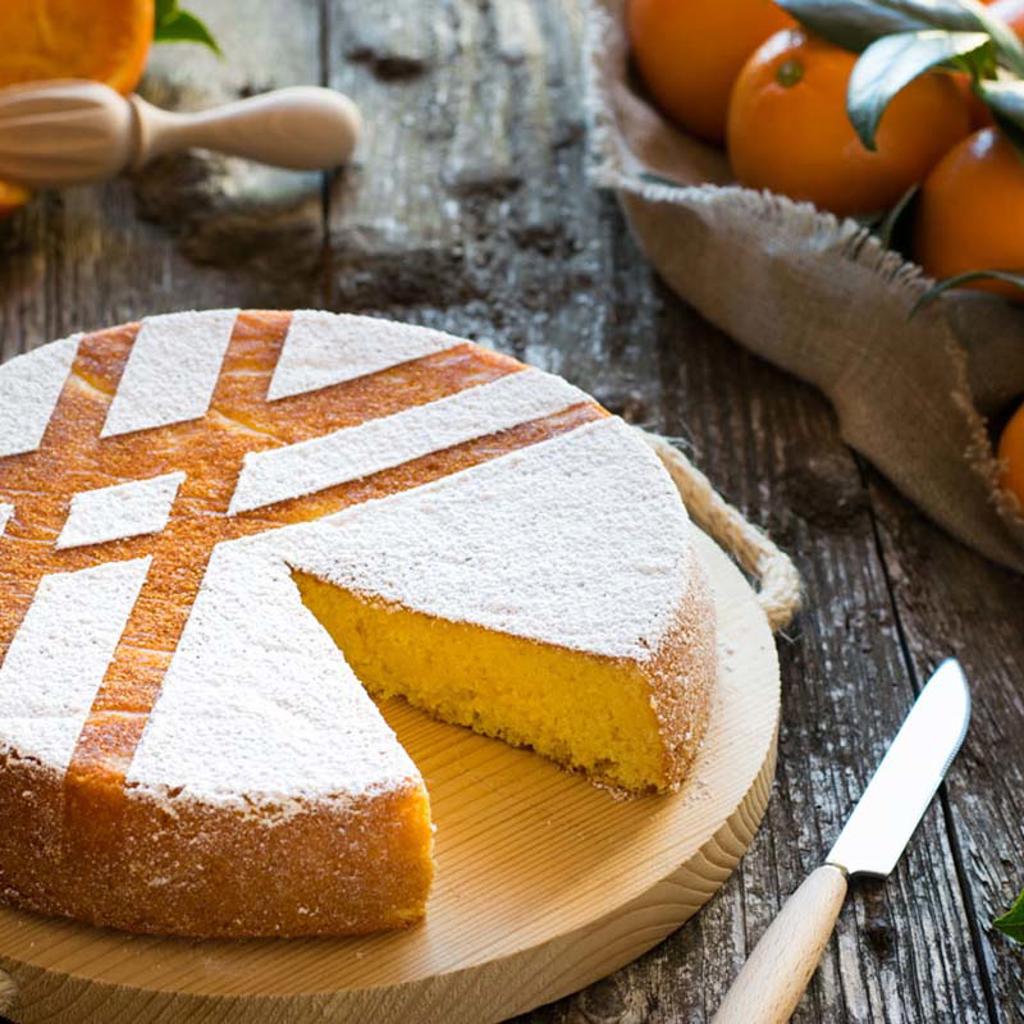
x=66 y=132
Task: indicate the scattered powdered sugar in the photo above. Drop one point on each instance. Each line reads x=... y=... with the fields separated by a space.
x=172 y=370
x=355 y=452
x=30 y=386
x=59 y=656
x=321 y=349
x=123 y=510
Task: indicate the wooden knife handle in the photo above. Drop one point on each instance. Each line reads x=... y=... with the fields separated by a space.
x=775 y=976
x=301 y=127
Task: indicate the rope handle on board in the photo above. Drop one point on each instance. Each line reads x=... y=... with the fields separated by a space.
x=8 y=994
x=779 y=582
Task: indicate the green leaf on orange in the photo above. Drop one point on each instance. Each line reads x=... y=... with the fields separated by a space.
x=853 y=25
x=856 y=24
x=893 y=62
x=1009 y=49
x=173 y=25
x=1005 y=99
x=1016 y=278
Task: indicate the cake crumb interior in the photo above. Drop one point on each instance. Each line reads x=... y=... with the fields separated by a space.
x=597 y=718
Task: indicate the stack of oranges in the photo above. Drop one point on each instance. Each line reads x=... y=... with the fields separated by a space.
x=743 y=73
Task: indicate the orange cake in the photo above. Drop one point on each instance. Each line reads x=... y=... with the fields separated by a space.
x=223 y=533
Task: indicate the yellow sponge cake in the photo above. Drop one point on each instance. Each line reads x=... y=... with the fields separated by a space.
x=223 y=534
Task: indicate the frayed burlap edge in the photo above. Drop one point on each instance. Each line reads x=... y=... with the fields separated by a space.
x=969 y=504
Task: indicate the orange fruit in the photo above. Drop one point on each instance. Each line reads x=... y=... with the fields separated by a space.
x=11 y=197
x=105 y=40
x=689 y=53
x=978 y=113
x=971 y=212
x=1011 y=453
x=789 y=132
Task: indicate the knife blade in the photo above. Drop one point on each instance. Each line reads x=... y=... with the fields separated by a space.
x=775 y=976
x=901 y=789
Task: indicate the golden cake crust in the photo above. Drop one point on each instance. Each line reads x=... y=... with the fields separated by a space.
x=682 y=677
x=194 y=869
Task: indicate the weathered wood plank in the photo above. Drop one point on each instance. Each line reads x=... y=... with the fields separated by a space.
x=903 y=949
x=438 y=224
x=469 y=210
x=952 y=602
x=28 y=299
x=395 y=241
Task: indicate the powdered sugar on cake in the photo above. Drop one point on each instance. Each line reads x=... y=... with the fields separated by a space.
x=29 y=388
x=577 y=542
x=172 y=370
x=321 y=349
x=191 y=706
x=254 y=664
x=546 y=543
x=124 y=510
x=58 y=658
x=310 y=466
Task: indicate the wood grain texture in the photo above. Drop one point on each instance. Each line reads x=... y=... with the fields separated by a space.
x=469 y=210
x=903 y=949
x=950 y=602
x=544 y=882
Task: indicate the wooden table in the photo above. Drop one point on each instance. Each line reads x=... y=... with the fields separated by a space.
x=469 y=210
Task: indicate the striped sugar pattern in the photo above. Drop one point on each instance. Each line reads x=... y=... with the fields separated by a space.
x=75 y=647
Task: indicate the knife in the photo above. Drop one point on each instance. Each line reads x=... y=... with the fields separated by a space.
x=772 y=981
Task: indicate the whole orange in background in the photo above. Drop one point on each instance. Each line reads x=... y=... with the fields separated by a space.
x=971 y=212
x=789 y=131
x=1011 y=453
x=689 y=53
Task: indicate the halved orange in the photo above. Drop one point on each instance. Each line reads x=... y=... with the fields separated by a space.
x=105 y=40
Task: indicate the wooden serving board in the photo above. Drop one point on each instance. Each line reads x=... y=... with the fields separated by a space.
x=544 y=884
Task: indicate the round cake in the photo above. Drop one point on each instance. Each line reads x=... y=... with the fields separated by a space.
x=223 y=534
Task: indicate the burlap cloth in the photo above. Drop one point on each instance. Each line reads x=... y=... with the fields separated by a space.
x=823 y=299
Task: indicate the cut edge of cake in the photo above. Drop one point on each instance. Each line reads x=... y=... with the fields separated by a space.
x=178 y=862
